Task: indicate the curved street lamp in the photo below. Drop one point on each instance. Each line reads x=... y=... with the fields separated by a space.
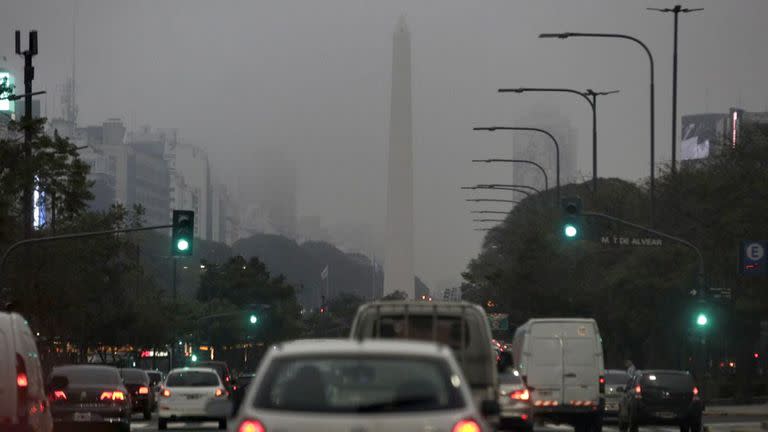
x=525 y=161
x=653 y=103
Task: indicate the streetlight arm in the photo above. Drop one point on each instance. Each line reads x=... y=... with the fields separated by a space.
x=525 y=161
x=549 y=90
x=603 y=35
x=492 y=200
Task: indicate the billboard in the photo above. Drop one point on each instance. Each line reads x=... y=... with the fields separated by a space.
x=699 y=134
x=6 y=83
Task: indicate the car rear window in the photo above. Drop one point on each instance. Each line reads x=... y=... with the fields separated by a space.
x=359 y=384
x=134 y=376
x=192 y=379
x=447 y=331
x=673 y=381
x=616 y=378
x=88 y=375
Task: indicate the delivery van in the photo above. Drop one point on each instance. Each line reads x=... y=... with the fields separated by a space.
x=561 y=362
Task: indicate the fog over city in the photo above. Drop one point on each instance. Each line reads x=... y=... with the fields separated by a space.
x=305 y=85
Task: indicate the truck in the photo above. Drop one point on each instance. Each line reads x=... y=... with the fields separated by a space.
x=561 y=363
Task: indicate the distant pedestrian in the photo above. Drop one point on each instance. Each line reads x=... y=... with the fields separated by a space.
x=631 y=369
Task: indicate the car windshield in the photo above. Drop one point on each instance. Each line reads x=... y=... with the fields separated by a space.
x=616 y=378
x=192 y=379
x=360 y=384
x=88 y=375
x=675 y=381
x=134 y=376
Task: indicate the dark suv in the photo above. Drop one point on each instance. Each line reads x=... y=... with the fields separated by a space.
x=138 y=385
x=661 y=397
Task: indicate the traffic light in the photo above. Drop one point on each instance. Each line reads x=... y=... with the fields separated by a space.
x=702 y=319
x=182 y=232
x=571 y=217
x=253 y=319
x=194 y=357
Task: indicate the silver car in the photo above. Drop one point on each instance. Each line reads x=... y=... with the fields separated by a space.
x=370 y=385
x=615 y=381
x=515 y=402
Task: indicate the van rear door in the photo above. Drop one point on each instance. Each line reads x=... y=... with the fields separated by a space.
x=545 y=369
x=580 y=372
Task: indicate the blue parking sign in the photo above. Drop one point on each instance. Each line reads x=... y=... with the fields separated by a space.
x=752 y=258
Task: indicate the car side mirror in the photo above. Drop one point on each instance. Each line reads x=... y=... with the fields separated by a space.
x=490 y=408
x=58 y=383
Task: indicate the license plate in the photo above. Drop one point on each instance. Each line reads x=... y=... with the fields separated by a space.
x=193 y=396
x=82 y=417
x=612 y=406
x=665 y=415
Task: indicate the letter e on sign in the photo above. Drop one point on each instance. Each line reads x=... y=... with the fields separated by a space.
x=755 y=251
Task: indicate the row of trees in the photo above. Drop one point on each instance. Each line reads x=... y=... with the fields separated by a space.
x=640 y=295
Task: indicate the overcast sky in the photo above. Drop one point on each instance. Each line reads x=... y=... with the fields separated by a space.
x=312 y=77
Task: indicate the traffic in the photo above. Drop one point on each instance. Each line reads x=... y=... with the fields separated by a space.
x=406 y=365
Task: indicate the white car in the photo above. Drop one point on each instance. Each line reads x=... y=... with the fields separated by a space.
x=367 y=386
x=186 y=393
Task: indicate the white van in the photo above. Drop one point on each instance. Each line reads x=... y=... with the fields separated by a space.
x=23 y=402
x=561 y=361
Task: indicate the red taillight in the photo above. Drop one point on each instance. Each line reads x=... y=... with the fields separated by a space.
x=220 y=392
x=251 y=426
x=466 y=426
x=638 y=392
x=58 y=395
x=166 y=393
x=143 y=390
x=116 y=395
x=21 y=380
x=523 y=395
x=695 y=391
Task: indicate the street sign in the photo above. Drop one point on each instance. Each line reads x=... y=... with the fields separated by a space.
x=753 y=260
x=498 y=321
x=620 y=240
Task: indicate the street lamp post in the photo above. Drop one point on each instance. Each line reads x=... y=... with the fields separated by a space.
x=590 y=96
x=653 y=103
x=675 y=10
x=525 y=161
x=492 y=200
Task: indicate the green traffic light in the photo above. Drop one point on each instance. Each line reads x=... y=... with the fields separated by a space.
x=182 y=245
x=570 y=230
x=194 y=357
x=702 y=320
x=254 y=319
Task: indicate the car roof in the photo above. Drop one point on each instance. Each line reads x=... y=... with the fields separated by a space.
x=212 y=362
x=83 y=366
x=193 y=369
x=617 y=371
x=365 y=346
x=664 y=372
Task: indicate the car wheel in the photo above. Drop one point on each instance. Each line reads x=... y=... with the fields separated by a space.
x=162 y=424
x=223 y=424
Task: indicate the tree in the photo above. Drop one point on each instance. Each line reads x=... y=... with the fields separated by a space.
x=395 y=296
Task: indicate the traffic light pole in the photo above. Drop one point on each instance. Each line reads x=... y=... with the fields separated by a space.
x=700 y=275
x=50 y=239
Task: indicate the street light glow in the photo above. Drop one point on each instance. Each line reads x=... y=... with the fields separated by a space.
x=254 y=319
x=702 y=319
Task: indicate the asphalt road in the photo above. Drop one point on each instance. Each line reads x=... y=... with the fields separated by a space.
x=714 y=424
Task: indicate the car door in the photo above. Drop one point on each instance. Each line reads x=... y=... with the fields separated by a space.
x=545 y=368
x=580 y=376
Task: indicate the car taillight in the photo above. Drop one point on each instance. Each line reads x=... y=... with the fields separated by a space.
x=523 y=395
x=695 y=392
x=638 y=392
x=143 y=390
x=22 y=385
x=58 y=395
x=21 y=380
x=466 y=426
x=116 y=395
x=220 y=392
x=166 y=393
x=251 y=426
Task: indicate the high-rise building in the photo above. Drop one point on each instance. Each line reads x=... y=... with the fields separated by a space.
x=398 y=265
x=538 y=147
x=191 y=163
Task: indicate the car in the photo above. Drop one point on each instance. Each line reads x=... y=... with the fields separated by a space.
x=661 y=397
x=140 y=388
x=514 y=402
x=615 y=382
x=336 y=385
x=23 y=401
x=238 y=390
x=561 y=362
x=156 y=378
x=185 y=394
x=221 y=368
x=89 y=395
x=462 y=326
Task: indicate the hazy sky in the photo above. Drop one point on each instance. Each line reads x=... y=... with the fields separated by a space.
x=312 y=77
